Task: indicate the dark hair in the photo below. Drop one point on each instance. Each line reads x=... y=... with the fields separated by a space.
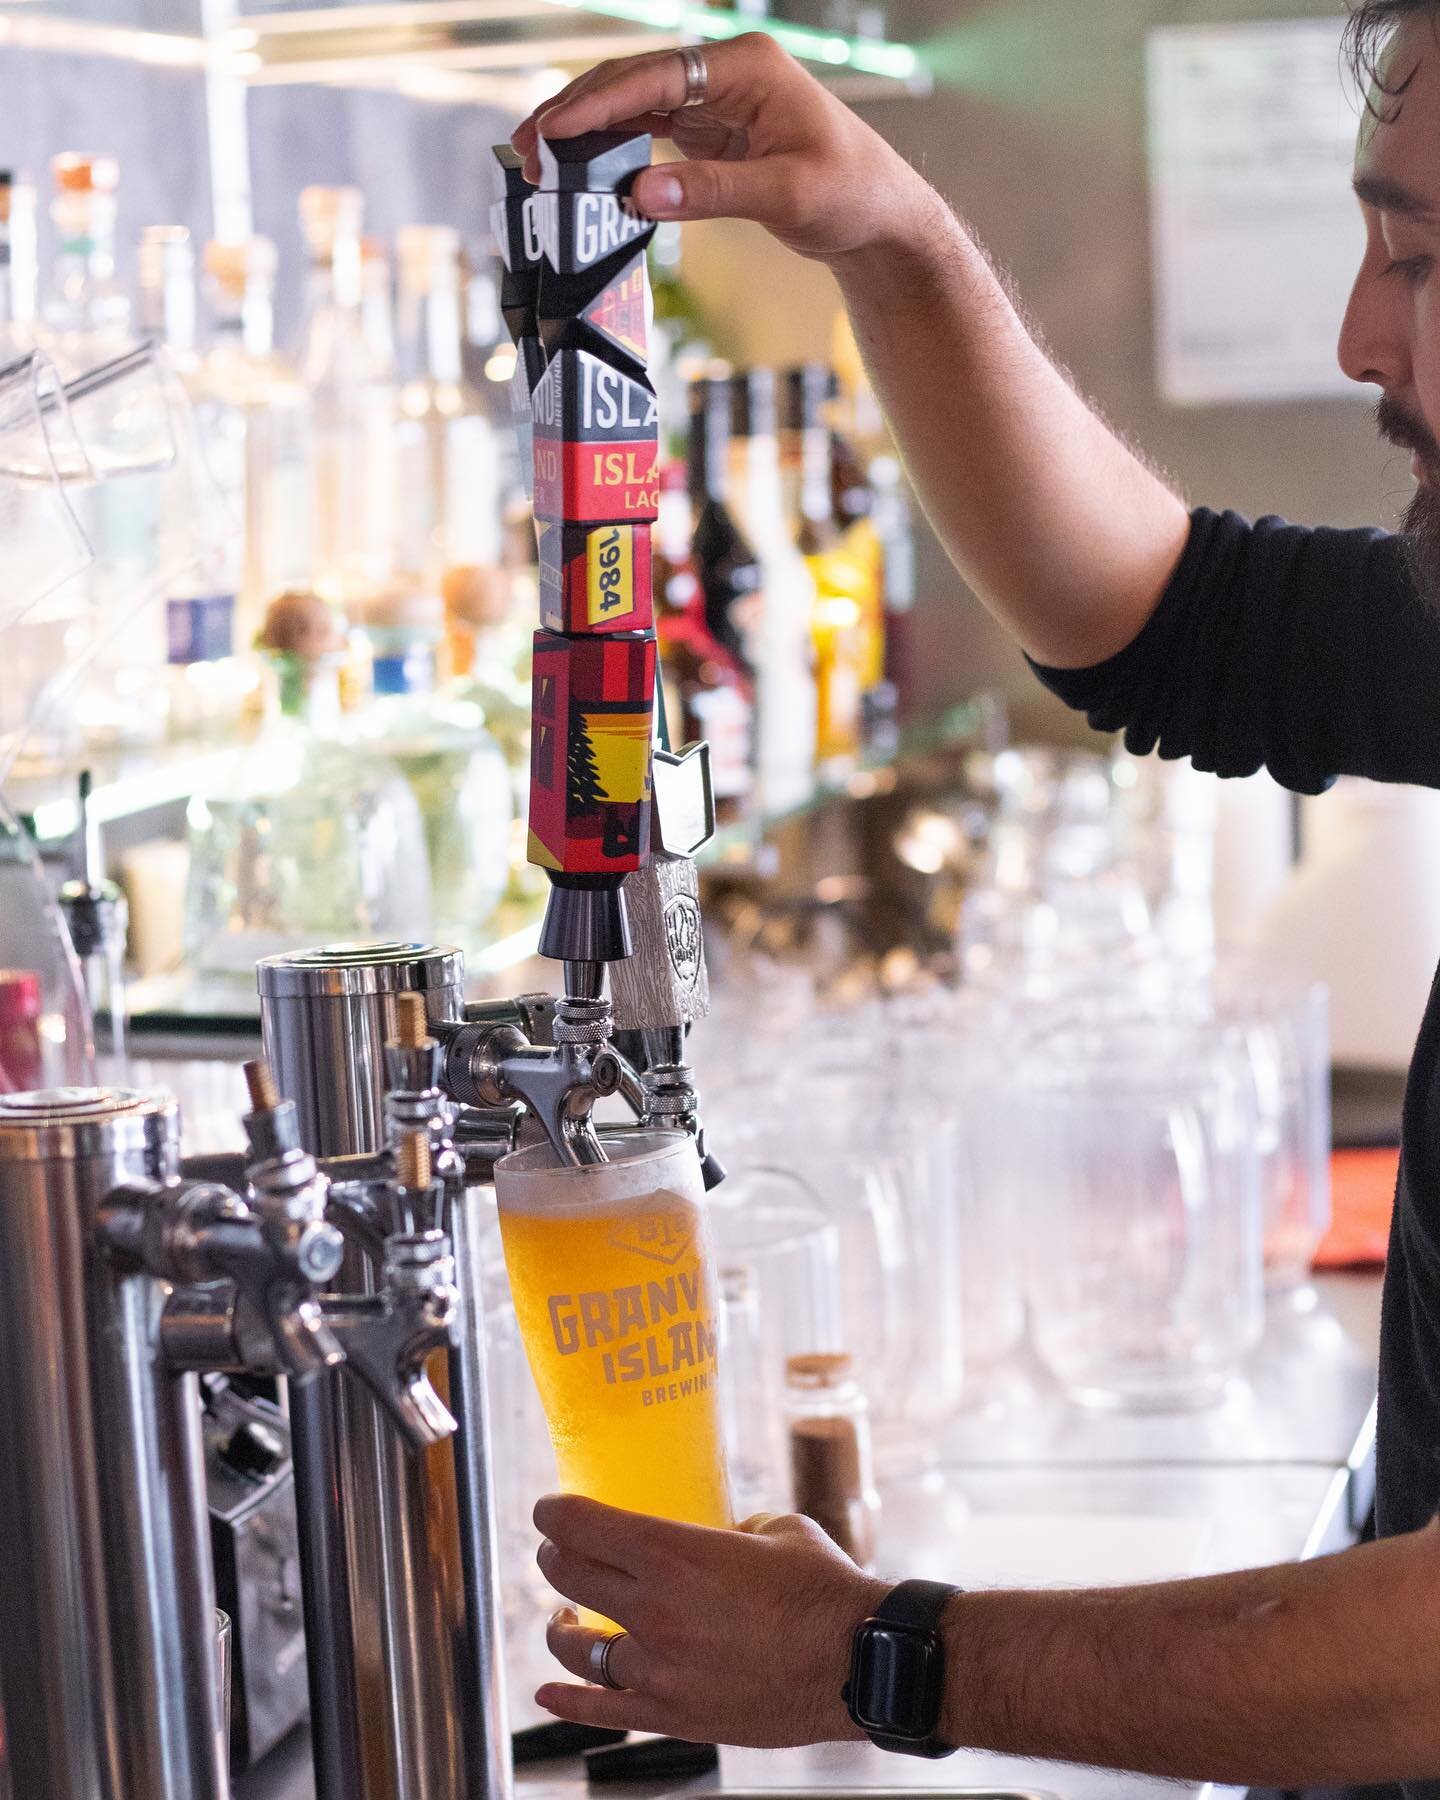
x=1368 y=30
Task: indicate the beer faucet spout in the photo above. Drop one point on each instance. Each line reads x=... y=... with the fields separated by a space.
x=387 y=1337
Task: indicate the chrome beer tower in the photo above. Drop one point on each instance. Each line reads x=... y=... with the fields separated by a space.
x=344 y=1252
x=122 y=1280
x=401 y=1622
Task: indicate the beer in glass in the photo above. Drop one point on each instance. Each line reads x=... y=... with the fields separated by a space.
x=614 y=1289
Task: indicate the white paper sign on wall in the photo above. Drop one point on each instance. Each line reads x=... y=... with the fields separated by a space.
x=1255 y=233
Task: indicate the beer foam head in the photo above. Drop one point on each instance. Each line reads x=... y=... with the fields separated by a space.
x=641 y=1163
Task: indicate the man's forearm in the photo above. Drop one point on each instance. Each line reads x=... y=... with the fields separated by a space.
x=1316 y=1673
x=1062 y=531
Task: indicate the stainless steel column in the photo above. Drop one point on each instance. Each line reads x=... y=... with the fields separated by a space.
x=107 y=1651
x=417 y=1673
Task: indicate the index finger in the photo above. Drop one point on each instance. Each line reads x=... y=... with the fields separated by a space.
x=632 y=86
x=631 y=1541
x=620 y=69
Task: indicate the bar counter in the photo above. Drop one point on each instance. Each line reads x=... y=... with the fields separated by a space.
x=1031 y=1491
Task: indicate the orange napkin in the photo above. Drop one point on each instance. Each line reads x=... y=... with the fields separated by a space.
x=1362 y=1188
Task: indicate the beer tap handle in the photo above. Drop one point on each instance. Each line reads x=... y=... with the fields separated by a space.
x=388 y=1337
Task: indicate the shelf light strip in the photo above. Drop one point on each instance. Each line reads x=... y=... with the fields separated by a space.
x=871 y=56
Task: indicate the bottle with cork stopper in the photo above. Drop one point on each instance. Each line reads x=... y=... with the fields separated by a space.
x=831 y=1460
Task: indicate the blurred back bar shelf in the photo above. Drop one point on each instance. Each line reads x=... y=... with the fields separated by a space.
x=826 y=844
x=498 y=52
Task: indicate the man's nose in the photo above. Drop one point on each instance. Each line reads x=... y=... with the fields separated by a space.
x=1374 y=344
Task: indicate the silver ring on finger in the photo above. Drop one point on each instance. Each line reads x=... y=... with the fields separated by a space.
x=600 y=1653
x=697 y=75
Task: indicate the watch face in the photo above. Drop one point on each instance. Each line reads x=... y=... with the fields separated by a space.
x=895 y=1680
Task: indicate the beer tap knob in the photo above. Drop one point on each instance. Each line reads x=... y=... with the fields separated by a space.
x=274 y=1251
x=414 y=1098
x=388 y=1337
x=290 y=1195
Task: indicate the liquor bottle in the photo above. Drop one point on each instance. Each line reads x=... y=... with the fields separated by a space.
x=871 y=488
x=86 y=314
x=197 y=525
x=86 y=321
x=377 y=303
x=255 y=419
x=352 y=402
x=17 y=265
x=705 y=690
x=838 y=622
x=450 y=463
x=783 y=654
x=455 y=769
x=487 y=657
x=307 y=836
x=165 y=307
x=679 y=340
x=854 y=502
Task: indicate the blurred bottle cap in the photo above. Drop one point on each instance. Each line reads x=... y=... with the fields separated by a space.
x=80 y=172
x=819 y=1368
x=302 y=623
x=232 y=265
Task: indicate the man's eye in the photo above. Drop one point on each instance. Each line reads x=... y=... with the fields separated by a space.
x=1412 y=270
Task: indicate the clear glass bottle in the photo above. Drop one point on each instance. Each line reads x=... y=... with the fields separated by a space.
x=832 y=1463
x=377 y=304
x=255 y=417
x=165 y=298
x=451 y=466
x=352 y=401
x=86 y=313
x=784 y=656
x=308 y=836
x=454 y=767
x=199 y=550
x=86 y=321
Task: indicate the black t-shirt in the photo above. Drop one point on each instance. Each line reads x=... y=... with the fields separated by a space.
x=1311 y=653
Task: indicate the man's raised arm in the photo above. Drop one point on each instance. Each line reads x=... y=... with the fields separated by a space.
x=1063 y=532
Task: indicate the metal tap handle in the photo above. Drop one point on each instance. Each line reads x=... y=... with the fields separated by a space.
x=388 y=1337
x=277 y=1283
x=194 y=1232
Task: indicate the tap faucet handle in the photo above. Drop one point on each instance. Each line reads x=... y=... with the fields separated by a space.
x=197 y=1232
x=387 y=1337
x=664 y=984
x=683 y=816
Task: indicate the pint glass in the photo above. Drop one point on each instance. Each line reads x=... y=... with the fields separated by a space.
x=613 y=1282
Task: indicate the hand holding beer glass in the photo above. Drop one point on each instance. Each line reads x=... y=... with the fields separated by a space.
x=613 y=1281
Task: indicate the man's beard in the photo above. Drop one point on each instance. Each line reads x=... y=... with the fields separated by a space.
x=1421 y=531
x=1421 y=534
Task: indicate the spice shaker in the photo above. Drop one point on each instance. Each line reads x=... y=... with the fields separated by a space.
x=831 y=1460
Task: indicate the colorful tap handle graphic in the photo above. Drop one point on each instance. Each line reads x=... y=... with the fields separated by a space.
x=514 y=223
x=596 y=453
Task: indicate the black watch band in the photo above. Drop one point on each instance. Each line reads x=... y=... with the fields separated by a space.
x=897 y=1670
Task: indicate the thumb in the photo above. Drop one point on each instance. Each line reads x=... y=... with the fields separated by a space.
x=766 y=189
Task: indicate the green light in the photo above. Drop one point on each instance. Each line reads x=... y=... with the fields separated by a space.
x=897 y=62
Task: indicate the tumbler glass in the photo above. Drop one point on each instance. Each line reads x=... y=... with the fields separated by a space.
x=613 y=1283
x=778 y=1255
x=1285 y=1026
x=816 y=1127
x=1135 y=1148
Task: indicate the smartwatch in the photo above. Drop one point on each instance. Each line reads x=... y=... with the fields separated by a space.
x=897 y=1670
